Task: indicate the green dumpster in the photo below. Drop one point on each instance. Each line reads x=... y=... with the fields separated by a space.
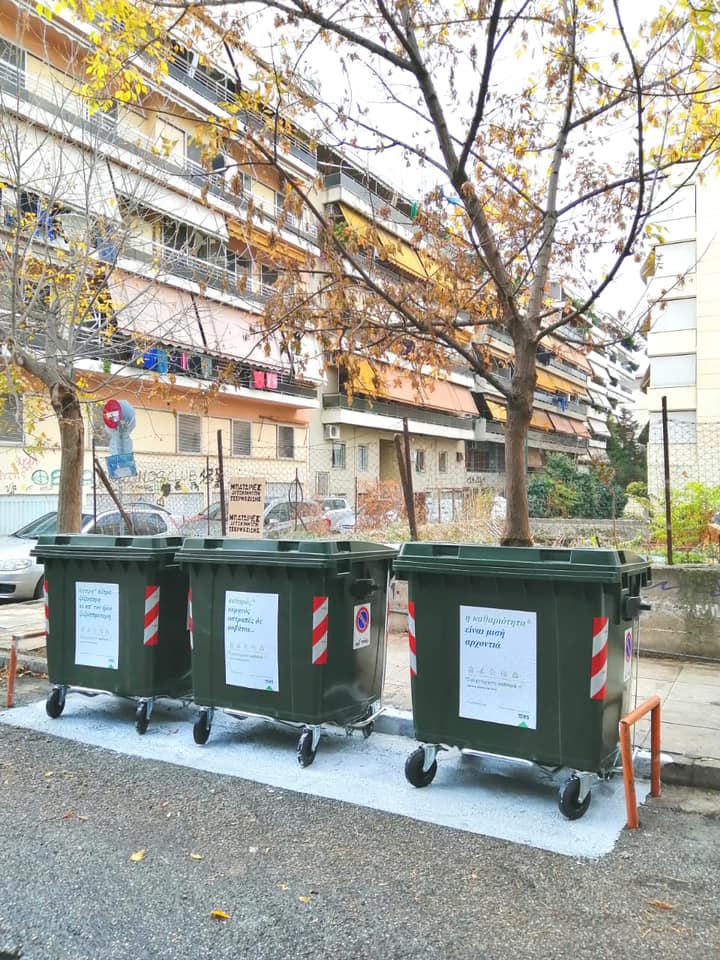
x=521 y=652
x=291 y=631
x=116 y=619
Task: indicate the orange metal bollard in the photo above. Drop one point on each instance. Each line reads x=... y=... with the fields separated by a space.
x=652 y=706
x=12 y=671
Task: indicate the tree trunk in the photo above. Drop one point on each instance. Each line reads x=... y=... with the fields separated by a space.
x=69 y=414
x=520 y=403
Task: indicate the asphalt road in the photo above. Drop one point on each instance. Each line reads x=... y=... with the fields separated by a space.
x=302 y=877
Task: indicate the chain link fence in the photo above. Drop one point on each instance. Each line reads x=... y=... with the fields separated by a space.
x=693 y=452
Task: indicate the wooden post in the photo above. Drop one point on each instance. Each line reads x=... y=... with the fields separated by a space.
x=113 y=496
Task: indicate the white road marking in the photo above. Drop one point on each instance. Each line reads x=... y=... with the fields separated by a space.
x=505 y=801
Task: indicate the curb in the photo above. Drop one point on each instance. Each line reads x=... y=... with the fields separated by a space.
x=701 y=773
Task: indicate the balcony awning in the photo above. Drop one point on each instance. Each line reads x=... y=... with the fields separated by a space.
x=243 y=235
x=580 y=429
x=540 y=420
x=568 y=353
x=599 y=399
x=165 y=314
x=553 y=383
x=391 y=383
x=398 y=252
x=598 y=427
x=497 y=411
x=142 y=192
x=599 y=372
x=47 y=164
x=562 y=424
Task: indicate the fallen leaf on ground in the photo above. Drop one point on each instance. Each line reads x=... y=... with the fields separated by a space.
x=70 y=815
x=660 y=904
x=136 y=857
x=219 y=915
x=196 y=856
x=49 y=773
x=283 y=886
x=304 y=899
x=82 y=818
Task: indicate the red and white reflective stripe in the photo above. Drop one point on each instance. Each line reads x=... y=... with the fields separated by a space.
x=598 y=666
x=152 y=616
x=47 y=607
x=411 y=638
x=189 y=617
x=320 y=630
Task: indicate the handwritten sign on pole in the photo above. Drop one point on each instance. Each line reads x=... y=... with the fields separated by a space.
x=246 y=506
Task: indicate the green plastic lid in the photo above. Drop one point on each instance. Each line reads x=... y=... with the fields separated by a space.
x=305 y=553
x=101 y=547
x=529 y=563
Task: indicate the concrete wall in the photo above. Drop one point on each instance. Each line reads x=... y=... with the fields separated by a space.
x=684 y=620
x=685 y=615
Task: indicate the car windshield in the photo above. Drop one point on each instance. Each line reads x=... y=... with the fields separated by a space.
x=45 y=526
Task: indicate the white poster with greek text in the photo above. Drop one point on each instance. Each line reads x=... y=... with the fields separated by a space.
x=251 y=640
x=97 y=624
x=498 y=666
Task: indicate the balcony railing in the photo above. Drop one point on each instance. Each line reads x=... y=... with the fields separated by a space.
x=226 y=278
x=373 y=200
x=382 y=408
x=105 y=127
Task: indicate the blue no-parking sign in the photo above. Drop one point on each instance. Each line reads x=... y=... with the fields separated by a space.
x=361 y=625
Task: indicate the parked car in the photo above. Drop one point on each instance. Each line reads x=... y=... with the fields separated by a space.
x=278 y=518
x=21 y=576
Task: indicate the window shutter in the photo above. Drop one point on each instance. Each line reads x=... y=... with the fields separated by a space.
x=189 y=433
x=241 y=438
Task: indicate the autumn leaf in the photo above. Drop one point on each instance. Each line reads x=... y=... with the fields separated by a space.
x=137 y=857
x=660 y=904
x=304 y=899
x=219 y=915
x=196 y=856
x=283 y=886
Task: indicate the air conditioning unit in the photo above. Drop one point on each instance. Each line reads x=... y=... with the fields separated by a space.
x=332 y=431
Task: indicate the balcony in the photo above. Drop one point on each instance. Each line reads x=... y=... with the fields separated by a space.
x=382 y=408
x=342 y=182
x=220 y=275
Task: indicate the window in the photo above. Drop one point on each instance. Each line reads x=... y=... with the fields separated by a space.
x=286 y=443
x=322 y=483
x=269 y=276
x=419 y=461
x=241 y=438
x=11 y=419
x=189 y=433
x=682 y=427
x=12 y=62
x=677 y=371
x=674 y=315
x=484 y=457
x=338 y=455
x=363 y=458
x=675 y=259
x=443 y=462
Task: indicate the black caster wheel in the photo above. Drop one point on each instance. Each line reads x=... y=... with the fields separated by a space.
x=414 y=772
x=368 y=730
x=55 y=703
x=305 y=752
x=141 y=718
x=570 y=805
x=201 y=728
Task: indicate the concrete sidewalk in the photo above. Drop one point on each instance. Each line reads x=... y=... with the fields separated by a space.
x=689 y=692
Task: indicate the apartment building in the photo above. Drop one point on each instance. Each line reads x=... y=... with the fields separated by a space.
x=683 y=335
x=179 y=275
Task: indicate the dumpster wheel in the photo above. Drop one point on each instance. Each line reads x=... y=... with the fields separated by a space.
x=55 y=703
x=201 y=728
x=142 y=716
x=307 y=747
x=569 y=799
x=415 y=772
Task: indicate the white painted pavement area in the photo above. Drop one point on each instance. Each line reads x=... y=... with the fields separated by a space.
x=468 y=793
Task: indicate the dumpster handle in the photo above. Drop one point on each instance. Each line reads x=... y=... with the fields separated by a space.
x=651 y=706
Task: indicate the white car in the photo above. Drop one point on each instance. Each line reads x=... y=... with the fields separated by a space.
x=21 y=576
